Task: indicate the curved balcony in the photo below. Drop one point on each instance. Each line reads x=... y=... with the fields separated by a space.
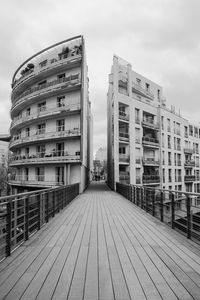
x=50 y=67
x=67 y=83
x=44 y=136
x=48 y=113
x=38 y=180
x=41 y=158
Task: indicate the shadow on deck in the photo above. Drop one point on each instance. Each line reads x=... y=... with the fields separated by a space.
x=102 y=247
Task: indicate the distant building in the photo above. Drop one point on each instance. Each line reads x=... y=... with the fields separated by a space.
x=101 y=154
x=51 y=119
x=148 y=143
x=3 y=151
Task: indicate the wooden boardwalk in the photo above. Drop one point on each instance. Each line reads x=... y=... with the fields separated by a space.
x=103 y=247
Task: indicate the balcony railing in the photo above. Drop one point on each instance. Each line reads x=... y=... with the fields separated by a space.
x=151 y=178
x=53 y=156
x=189 y=163
x=52 y=63
x=124 y=176
x=150 y=141
x=150 y=161
x=179 y=210
x=150 y=123
x=44 y=136
x=23 y=214
x=37 y=180
x=188 y=150
x=47 y=112
x=124 y=158
x=48 y=86
x=123 y=116
x=123 y=136
x=142 y=91
x=189 y=178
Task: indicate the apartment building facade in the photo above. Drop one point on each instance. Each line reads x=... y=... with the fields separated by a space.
x=148 y=143
x=51 y=119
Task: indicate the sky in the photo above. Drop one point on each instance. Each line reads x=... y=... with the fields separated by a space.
x=160 y=38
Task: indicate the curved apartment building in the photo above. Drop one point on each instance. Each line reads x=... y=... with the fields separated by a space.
x=51 y=116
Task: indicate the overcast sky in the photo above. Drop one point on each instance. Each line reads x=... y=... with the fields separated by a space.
x=160 y=38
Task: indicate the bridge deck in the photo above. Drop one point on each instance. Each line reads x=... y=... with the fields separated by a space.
x=102 y=247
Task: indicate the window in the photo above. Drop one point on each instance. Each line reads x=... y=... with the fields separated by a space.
x=43 y=63
x=169 y=159
x=122 y=150
x=27 y=132
x=60 y=149
x=61 y=76
x=138 y=81
x=147 y=87
x=158 y=93
x=28 y=111
x=41 y=151
x=42 y=106
x=41 y=128
x=60 y=175
x=27 y=152
x=169 y=141
x=163 y=175
x=168 y=125
x=186 y=131
x=61 y=101
x=162 y=122
x=39 y=172
x=26 y=174
x=163 y=140
x=190 y=130
x=137 y=116
x=170 y=175
x=60 y=125
x=178 y=129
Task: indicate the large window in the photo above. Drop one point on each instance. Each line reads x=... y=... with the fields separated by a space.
x=39 y=173
x=41 y=128
x=60 y=175
x=42 y=106
x=61 y=101
x=60 y=125
x=41 y=151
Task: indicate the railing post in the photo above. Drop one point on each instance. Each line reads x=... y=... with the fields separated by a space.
x=47 y=207
x=142 y=197
x=134 y=194
x=8 y=227
x=53 y=204
x=39 y=210
x=161 y=206
x=153 y=205
x=146 y=200
x=172 y=211
x=26 y=218
x=188 y=204
x=137 y=196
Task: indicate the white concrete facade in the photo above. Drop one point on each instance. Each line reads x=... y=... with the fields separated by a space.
x=148 y=144
x=51 y=118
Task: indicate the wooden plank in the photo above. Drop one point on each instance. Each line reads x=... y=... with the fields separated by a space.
x=105 y=277
x=67 y=275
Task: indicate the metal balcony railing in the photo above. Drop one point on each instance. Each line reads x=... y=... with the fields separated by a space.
x=150 y=140
x=178 y=209
x=42 y=135
x=124 y=158
x=47 y=112
x=150 y=123
x=188 y=150
x=189 y=163
x=150 y=161
x=151 y=178
x=189 y=178
x=48 y=86
x=124 y=175
x=123 y=116
x=22 y=215
x=123 y=135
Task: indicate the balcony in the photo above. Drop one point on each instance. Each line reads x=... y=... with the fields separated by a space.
x=151 y=179
x=44 y=136
x=124 y=176
x=147 y=122
x=52 y=157
x=124 y=158
x=189 y=163
x=123 y=136
x=138 y=89
x=188 y=151
x=150 y=161
x=69 y=109
x=123 y=116
x=149 y=141
x=189 y=178
x=38 y=180
x=47 y=88
x=49 y=67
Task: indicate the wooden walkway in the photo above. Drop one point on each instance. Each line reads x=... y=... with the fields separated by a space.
x=103 y=247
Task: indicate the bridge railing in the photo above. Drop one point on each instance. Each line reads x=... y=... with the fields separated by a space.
x=21 y=215
x=180 y=210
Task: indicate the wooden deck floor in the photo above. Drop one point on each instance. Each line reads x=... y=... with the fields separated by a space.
x=103 y=247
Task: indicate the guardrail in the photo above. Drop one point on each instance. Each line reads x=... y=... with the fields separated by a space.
x=180 y=210
x=23 y=214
